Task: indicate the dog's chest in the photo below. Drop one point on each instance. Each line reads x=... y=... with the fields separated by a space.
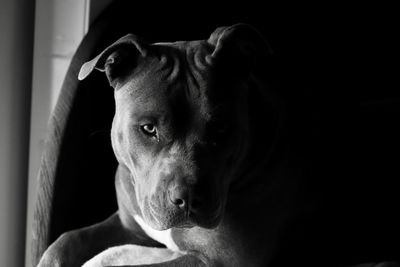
x=164 y=237
x=208 y=243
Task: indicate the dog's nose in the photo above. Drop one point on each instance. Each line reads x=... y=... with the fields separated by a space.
x=179 y=196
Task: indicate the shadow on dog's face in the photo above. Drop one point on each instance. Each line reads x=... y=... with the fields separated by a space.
x=179 y=126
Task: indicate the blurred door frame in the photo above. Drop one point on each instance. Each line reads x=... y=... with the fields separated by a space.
x=58 y=29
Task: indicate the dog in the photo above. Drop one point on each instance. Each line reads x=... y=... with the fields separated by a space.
x=202 y=177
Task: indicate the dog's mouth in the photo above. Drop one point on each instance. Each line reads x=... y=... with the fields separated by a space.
x=163 y=219
x=207 y=222
x=193 y=219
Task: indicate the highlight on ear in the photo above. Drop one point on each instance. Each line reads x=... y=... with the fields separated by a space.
x=239 y=46
x=116 y=60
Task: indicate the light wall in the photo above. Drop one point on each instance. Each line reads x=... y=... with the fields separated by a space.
x=38 y=40
x=16 y=44
x=60 y=25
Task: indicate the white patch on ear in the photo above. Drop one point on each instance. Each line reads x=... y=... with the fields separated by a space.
x=164 y=237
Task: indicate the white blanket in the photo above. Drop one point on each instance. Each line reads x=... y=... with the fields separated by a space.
x=131 y=255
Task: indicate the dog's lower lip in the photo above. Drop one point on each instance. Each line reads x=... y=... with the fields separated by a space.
x=189 y=219
x=186 y=224
x=207 y=222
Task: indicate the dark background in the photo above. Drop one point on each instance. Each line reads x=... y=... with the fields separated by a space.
x=336 y=71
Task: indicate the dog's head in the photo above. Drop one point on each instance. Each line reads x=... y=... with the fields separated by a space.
x=181 y=122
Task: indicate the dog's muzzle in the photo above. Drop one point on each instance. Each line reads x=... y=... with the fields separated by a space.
x=180 y=205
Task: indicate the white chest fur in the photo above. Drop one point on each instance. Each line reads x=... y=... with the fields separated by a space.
x=164 y=237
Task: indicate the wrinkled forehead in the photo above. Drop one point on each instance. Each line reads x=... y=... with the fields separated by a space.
x=177 y=72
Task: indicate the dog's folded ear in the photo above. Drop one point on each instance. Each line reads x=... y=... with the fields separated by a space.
x=116 y=60
x=240 y=47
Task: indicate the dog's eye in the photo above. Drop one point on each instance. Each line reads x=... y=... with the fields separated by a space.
x=149 y=130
